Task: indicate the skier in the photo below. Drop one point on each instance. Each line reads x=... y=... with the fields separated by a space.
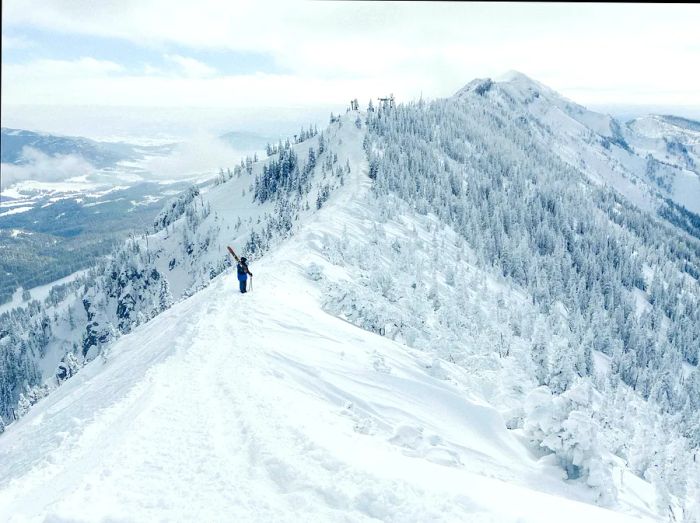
x=242 y=269
x=243 y=273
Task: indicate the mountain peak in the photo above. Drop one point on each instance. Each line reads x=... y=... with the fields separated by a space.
x=522 y=81
x=514 y=76
x=513 y=79
x=478 y=85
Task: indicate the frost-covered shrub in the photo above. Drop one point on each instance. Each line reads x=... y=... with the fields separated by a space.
x=334 y=250
x=358 y=306
x=30 y=396
x=68 y=367
x=314 y=272
x=36 y=393
x=564 y=424
x=383 y=282
x=23 y=406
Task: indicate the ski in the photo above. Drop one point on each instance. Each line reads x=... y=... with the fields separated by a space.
x=232 y=253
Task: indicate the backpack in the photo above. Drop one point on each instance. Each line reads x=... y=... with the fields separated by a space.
x=242 y=271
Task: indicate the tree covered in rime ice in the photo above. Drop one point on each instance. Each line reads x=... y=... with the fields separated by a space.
x=565 y=424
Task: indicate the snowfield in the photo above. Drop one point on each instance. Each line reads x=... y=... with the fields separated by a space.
x=263 y=407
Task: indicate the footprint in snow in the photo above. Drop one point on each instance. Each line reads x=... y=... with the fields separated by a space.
x=365 y=426
x=380 y=365
x=362 y=424
x=408 y=437
x=416 y=444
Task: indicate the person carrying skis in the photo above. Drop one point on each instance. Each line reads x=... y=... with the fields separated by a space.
x=243 y=273
x=242 y=269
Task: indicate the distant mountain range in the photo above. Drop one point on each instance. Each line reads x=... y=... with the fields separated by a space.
x=99 y=154
x=107 y=154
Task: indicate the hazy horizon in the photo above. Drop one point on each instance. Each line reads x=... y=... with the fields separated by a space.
x=167 y=124
x=270 y=68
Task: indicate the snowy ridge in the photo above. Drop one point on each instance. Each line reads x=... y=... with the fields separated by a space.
x=646 y=160
x=265 y=407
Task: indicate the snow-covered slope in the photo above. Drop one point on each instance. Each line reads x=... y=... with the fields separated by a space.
x=671 y=146
x=263 y=407
x=644 y=160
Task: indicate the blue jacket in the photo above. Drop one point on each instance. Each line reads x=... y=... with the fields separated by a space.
x=242 y=271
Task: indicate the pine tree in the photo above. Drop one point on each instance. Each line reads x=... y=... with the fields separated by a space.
x=23 y=405
x=540 y=358
x=561 y=373
x=165 y=298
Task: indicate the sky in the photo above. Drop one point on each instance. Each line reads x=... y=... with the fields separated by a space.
x=132 y=58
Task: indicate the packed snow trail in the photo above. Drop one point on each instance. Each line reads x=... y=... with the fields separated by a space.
x=262 y=407
x=265 y=410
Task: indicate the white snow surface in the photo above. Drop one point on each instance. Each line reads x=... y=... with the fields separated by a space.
x=263 y=407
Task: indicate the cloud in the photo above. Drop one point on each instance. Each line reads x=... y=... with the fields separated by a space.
x=199 y=157
x=44 y=168
x=203 y=155
x=16 y=42
x=594 y=52
x=158 y=125
x=190 y=66
x=61 y=74
x=95 y=83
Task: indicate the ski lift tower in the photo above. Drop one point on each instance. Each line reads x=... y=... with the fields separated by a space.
x=387 y=102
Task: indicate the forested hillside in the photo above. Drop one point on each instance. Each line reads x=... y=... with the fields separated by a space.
x=623 y=282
